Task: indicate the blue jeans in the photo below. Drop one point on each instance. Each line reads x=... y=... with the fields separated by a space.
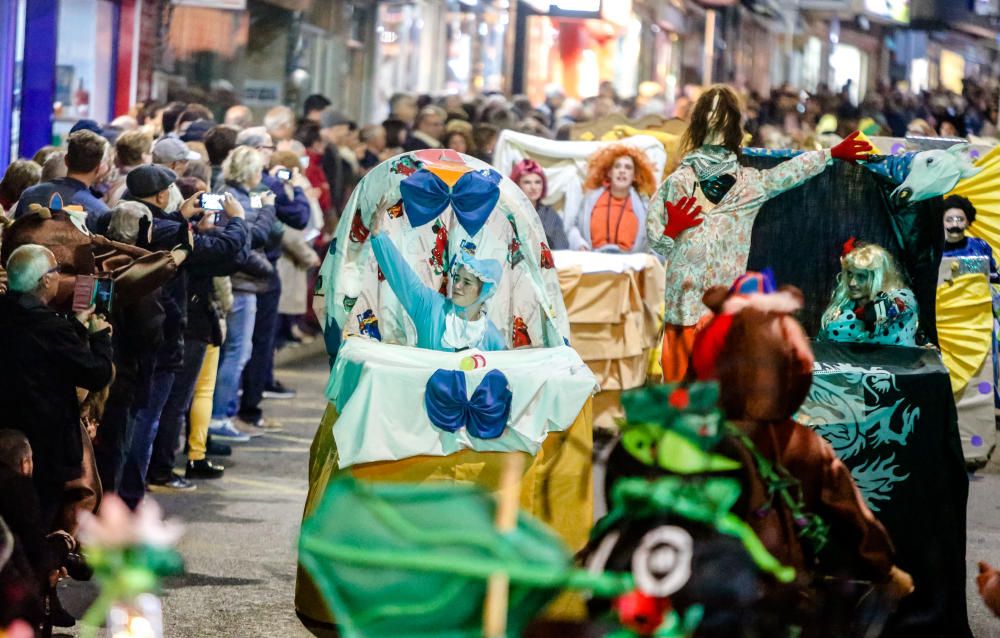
x=146 y=421
x=235 y=353
x=259 y=370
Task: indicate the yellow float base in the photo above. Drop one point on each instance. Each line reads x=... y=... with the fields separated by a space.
x=557 y=488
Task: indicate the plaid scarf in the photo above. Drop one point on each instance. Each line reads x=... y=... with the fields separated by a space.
x=711 y=162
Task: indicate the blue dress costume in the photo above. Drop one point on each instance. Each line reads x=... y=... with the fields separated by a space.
x=973 y=247
x=890 y=319
x=440 y=323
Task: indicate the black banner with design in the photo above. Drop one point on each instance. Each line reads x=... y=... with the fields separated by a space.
x=890 y=415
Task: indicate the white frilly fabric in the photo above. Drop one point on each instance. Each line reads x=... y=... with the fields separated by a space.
x=565 y=163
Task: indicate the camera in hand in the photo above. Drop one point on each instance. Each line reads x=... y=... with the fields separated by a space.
x=212 y=201
x=284 y=174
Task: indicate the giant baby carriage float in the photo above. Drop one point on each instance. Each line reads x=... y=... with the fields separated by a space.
x=402 y=413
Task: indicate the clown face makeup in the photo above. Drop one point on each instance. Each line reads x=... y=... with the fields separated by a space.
x=465 y=289
x=955 y=224
x=622 y=174
x=859 y=284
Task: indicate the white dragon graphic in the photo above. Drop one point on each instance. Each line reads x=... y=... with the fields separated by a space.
x=860 y=409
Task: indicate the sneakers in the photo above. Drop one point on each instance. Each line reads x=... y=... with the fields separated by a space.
x=203 y=469
x=224 y=430
x=259 y=425
x=278 y=390
x=174 y=483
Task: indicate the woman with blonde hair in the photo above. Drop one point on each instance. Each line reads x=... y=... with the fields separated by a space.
x=612 y=216
x=871 y=303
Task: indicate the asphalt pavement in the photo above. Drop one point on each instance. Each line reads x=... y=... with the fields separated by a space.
x=241 y=530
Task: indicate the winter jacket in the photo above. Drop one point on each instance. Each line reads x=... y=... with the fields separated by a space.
x=72 y=191
x=214 y=253
x=256 y=276
x=44 y=358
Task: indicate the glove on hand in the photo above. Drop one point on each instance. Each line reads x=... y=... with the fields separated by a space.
x=681 y=215
x=851 y=149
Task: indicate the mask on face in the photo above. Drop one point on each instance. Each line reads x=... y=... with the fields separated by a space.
x=142 y=237
x=175 y=201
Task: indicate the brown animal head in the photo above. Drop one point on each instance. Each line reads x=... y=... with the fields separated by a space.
x=757 y=351
x=76 y=252
x=55 y=230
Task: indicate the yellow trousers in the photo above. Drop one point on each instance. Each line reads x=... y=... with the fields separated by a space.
x=201 y=404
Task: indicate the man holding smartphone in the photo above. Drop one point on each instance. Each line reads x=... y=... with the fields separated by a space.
x=211 y=254
x=46 y=357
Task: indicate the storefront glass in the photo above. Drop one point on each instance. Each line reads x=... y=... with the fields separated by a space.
x=952 y=69
x=578 y=54
x=847 y=65
x=15 y=111
x=220 y=57
x=84 y=64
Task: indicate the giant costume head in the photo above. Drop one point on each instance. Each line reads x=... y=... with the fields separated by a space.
x=451 y=211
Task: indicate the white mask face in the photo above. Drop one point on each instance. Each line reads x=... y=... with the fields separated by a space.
x=175 y=201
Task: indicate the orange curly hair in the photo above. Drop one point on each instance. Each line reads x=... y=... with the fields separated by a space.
x=602 y=161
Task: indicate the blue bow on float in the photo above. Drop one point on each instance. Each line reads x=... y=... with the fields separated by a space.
x=485 y=415
x=473 y=197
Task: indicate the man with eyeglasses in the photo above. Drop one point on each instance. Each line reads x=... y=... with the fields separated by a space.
x=44 y=357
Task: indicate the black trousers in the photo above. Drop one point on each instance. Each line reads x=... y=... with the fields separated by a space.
x=174 y=415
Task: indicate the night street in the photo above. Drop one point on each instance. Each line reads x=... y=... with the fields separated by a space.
x=239 y=548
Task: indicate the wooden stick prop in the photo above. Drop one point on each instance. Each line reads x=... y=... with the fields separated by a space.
x=498 y=587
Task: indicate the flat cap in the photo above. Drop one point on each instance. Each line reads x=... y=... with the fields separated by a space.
x=149 y=179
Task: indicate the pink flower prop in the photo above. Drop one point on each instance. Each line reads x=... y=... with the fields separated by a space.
x=115 y=526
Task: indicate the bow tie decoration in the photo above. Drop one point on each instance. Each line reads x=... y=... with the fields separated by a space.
x=475 y=194
x=485 y=414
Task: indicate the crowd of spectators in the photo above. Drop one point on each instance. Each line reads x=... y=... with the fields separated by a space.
x=104 y=402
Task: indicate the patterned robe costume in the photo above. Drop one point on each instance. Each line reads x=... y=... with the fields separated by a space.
x=715 y=252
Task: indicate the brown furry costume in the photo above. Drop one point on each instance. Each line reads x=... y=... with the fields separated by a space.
x=136 y=271
x=762 y=360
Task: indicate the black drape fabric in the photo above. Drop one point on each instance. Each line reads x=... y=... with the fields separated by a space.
x=890 y=415
x=800 y=235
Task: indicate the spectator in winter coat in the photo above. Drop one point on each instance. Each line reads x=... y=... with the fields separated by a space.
x=46 y=358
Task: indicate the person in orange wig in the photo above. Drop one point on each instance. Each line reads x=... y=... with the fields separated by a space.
x=612 y=216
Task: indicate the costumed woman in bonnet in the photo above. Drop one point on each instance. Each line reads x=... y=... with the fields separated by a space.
x=612 y=216
x=450 y=323
x=702 y=217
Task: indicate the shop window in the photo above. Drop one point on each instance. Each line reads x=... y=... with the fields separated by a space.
x=84 y=63
x=15 y=114
x=220 y=57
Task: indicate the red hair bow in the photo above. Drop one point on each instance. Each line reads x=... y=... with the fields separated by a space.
x=849 y=246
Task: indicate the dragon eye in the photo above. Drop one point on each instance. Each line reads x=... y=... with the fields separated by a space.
x=661 y=564
x=930 y=160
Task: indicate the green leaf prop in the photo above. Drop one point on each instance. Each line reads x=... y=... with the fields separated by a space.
x=674 y=426
x=412 y=561
x=124 y=573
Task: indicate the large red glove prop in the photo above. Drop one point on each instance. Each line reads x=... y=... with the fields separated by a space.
x=681 y=215
x=851 y=149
